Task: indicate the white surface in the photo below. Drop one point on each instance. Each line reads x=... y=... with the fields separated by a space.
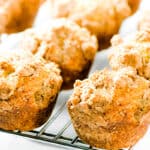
x=13 y=142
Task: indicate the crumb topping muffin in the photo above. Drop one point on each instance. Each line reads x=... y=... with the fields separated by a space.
x=132 y=51
x=17 y=15
x=110 y=109
x=28 y=88
x=101 y=17
x=71 y=47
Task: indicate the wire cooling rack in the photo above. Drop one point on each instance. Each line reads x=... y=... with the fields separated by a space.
x=58 y=129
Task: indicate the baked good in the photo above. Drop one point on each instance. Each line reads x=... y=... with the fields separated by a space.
x=134 y=4
x=28 y=88
x=134 y=51
x=102 y=18
x=110 y=109
x=17 y=15
x=64 y=42
x=144 y=21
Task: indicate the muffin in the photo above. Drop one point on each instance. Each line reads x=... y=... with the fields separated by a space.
x=110 y=109
x=28 y=88
x=102 y=18
x=17 y=15
x=71 y=47
x=144 y=21
x=134 y=51
x=134 y=4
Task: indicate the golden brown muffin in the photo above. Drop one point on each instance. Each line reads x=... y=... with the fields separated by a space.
x=102 y=17
x=71 y=47
x=132 y=51
x=17 y=15
x=110 y=109
x=144 y=21
x=28 y=88
x=134 y=4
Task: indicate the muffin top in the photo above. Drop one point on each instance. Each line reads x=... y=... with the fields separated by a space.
x=133 y=51
x=17 y=15
x=109 y=94
x=63 y=42
x=23 y=74
x=100 y=17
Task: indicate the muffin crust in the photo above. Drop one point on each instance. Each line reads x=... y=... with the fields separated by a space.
x=133 y=51
x=71 y=47
x=110 y=109
x=101 y=17
x=17 y=15
x=28 y=88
